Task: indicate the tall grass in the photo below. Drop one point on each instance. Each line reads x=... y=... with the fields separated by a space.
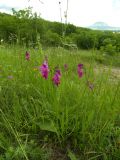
x=41 y=121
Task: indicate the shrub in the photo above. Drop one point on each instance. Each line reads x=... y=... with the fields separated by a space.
x=52 y=39
x=108 y=49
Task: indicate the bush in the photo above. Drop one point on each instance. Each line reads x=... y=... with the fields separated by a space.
x=108 y=49
x=86 y=40
x=52 y=39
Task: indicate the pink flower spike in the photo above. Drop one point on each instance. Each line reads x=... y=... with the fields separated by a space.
x=27 y=56
x=58 y=72
x=79 y=70
x=80 y=66
x=56 y=78
x=44 y=70
x=80 y=73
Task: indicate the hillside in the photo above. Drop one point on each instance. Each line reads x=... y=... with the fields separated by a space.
x=27 y=29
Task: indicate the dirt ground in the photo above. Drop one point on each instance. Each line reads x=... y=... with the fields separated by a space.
x=114 y=72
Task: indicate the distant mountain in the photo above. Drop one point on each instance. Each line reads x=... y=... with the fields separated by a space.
x=103 y=26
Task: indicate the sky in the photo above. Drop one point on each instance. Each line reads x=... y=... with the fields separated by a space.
x=80 y=12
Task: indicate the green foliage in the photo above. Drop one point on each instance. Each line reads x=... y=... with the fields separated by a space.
x=23 y=14
x=52 y=39
x=56 y=27
x=86 y=40
x=69 y=29
x=71 y=155
x=109 y=49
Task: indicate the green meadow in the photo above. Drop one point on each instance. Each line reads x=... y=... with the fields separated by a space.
x=77 y=120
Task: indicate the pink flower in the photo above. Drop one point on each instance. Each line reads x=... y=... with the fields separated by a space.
x=56 y=78
x=80 y=66
x=80 y=70
x=44 y=70
x=27 y=56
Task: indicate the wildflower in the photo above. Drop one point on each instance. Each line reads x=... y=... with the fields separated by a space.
x=79 y=70
x=58 y=72
x=80 y=66
x=27 y=56
x=44 y=69
x=56 y=78
x=66 y=67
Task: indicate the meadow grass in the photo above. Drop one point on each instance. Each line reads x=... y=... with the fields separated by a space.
x=41 y=121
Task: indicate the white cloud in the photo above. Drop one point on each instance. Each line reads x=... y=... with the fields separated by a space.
x=80 y=12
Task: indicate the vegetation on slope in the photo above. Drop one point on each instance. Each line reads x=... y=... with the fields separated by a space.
x=28 y=29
